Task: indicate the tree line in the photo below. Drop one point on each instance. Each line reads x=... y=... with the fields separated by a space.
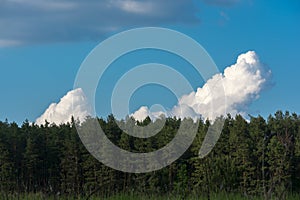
x=255 y=157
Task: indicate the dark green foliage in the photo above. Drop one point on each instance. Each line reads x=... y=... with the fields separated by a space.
x=258 y=158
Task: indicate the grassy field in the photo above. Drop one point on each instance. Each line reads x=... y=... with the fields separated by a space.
x=137 y=197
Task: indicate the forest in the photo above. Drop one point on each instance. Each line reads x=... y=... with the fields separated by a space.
x=253 y=158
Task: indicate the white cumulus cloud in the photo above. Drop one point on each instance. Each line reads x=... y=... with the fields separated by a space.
x=241 y=83
x=144 y=112
x=141 y=113
x=74 y=103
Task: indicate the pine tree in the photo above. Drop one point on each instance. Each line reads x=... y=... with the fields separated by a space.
x=71 y=163
x=6 y=168
x=280 y=154
x=240 y=142
x=259 y=135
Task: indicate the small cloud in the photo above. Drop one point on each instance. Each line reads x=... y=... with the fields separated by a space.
x=224 y=15
x=74 y=103
x=139 y=7
x=141 y=113
x=144 y=112
x=224 y=18
x=221 y=2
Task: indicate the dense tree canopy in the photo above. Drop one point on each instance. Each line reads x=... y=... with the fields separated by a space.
x=254 y=158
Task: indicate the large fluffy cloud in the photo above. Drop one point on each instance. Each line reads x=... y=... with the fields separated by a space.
x=45 y=21
x=241 y=83
x=74 y=103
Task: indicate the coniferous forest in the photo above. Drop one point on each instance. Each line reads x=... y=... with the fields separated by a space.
x=253 y=158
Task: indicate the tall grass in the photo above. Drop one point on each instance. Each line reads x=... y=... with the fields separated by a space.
x=221 y=196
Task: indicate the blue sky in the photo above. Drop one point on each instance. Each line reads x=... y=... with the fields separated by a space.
x=42 y=46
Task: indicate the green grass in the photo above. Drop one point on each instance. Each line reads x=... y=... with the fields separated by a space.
x=40 y=196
